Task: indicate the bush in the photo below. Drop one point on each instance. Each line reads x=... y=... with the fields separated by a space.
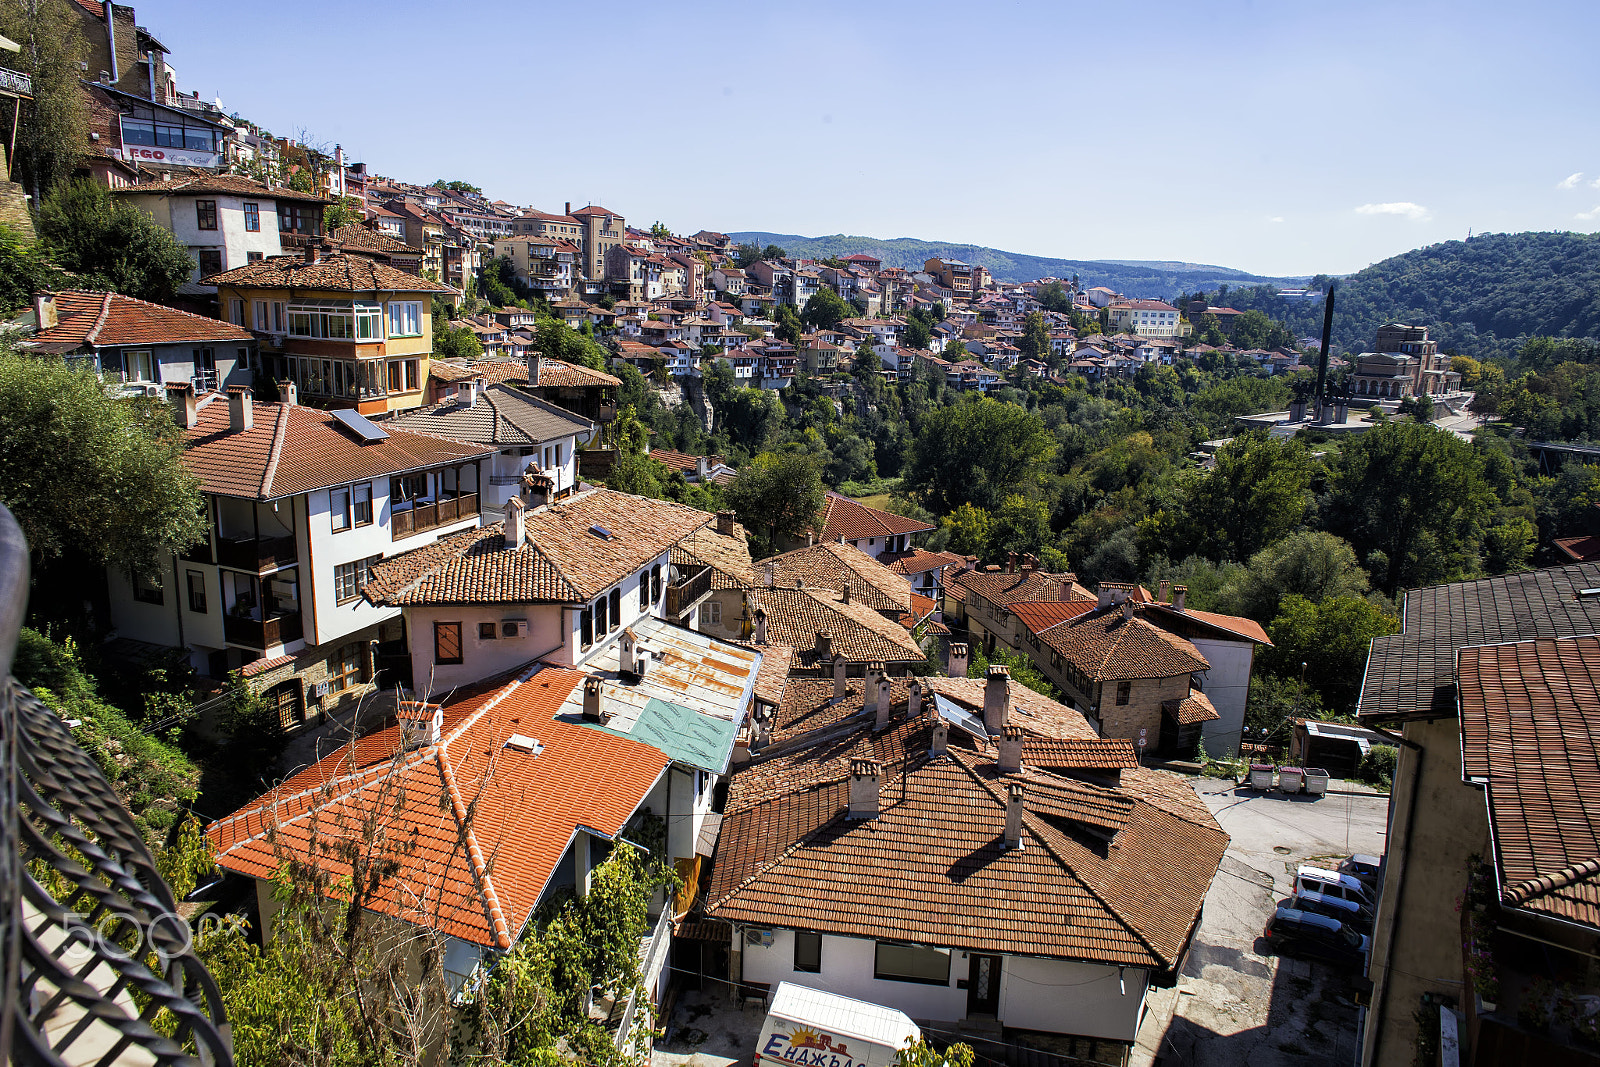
x=1377 y=766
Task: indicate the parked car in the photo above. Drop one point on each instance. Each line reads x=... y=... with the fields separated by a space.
x=1349 y=912
x=1367 y=868
x=1334 y=884
x=1293 y=932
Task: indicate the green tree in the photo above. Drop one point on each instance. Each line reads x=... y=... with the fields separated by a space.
x=1275 y=702
x=967 y=531
x=24 y=270
x=1310 y=563
x=638 y=474
x=111 y=244
x=1332 y=639
x=87 y=472
x=916 y=334
x=344 y=211
x=1020 y=525
x=825 y=310
x=457 y=342
x=457 y=187
x=977 y=452
x=1035 y=341
x=1053 y=296
x=55 y=123
x=557 y=340
x=789 y=326
x=659 y=231
x=778 y=496
x=1258 y=492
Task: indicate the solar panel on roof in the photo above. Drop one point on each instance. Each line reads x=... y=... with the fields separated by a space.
x=969 y=722
x=361 y=426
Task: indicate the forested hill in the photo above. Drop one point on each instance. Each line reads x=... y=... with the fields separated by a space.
x=1133 y=277
x=1480 y=297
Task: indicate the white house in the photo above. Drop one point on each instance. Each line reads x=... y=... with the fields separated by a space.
x=1228 y=642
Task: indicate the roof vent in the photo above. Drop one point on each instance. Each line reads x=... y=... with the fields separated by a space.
x=1589 y=594
x=523 y=743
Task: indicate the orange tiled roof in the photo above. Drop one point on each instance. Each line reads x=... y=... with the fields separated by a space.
x=918 y=560
x=477 y=879
x=366 y=239
x=292 y=449
x=854 y=521
x=563 y=560
x=1024 y=586
x=861 y=635
x=223 y=184
x=335 y=271
x=832 y=565
x=1196 y=707
x=1103 y=644
x=728 y=557
x=1234 y=624
x=101 y=320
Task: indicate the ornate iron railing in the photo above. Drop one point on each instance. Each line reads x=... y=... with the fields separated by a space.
x=14 y=81
x=94 y=967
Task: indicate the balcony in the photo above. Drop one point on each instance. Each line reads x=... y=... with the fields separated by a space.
x=259 y=634
x=257 y=554
x=15 y=82
x=423 y=517
x=687 y=592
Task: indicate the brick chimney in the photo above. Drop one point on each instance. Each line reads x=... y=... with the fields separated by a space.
x=569 y=207
x=955 y=660
x=840 y=669
x=1065 y=593
x=844 y=594
x=1011 y=563
x=1179 y=594
x=313 y=253
x=535 y=365
x=241 y=409
x=420 y=724
x=1164 y=591
x=594 y=709
x=1014 y=793
x=725 y=525
x=864 y=776
x=515 y=529
x=997 y=699
x=184 y=412
x=1010 y=747
x=824 y=646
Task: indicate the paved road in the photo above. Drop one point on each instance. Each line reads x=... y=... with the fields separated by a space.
x=1234 y=1005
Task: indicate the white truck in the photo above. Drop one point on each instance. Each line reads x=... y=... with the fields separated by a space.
x=812 y=1028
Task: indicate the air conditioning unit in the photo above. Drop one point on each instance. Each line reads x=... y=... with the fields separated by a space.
x=514 y=628
x=764 y=938
x=153 y=391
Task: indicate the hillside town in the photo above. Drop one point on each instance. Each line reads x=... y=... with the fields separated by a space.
x=540 y=636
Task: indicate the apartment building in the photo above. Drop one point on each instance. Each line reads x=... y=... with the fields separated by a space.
x=1146 y=318
x=547 y=265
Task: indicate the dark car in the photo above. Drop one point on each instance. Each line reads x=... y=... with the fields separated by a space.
x=1354 y=915
x=1293 y=932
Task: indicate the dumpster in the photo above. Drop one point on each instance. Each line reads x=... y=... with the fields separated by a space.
x=1261 y=776
x=1290 y=779
x=1316 y=780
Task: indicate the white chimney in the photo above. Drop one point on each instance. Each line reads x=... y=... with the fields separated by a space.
x=881 y=720
x=467 y=393
x=516 y=524
x=769 y=572
x=1014 y=815
x=184 y=411
x=1179 y=594
x=761 y=626
x=241 y=410
x=1010 y=747
x=420 y=724
x=914 y=698
x=941 y=736
x=824 y=646
x=1127 y=609
x=839 y=669
x=869 y=691
x=44 y=309
x=864 y=775
x=594 y=709
x=844 y=594
x=535 y=365
x=701 y=468
x=997 y=699
x=290 y=393
x=955 y=664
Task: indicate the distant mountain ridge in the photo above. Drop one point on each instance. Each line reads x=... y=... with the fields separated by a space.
x=1147 y=278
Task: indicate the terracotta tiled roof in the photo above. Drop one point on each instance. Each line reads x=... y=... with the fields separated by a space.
x=1196 y=707
x=788 y=856
x=1233 y=624
x=854 y=521
x=1101 y=753
x=336 y=271
x=563 y=560
x=100 y=320
x=366 y=239
x=502 y=416
x=475 y=878
x=860 y=634
x=728 y=557
x=1579 y=549
x=998 y=587
x=294 y=449
x=1103 y=644
x=1530 y=720
x=552 y=372
x=832 y=565
x=918 y=560
x=220 y=184
x=682 y=461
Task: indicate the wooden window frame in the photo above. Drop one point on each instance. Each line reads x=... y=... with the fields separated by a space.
x=443 y=633
x=205 y=215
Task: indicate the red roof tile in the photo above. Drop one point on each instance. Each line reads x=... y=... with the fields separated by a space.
x=854 y=521
x=101 y=320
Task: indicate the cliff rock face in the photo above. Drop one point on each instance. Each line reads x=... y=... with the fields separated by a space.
x=14 y=214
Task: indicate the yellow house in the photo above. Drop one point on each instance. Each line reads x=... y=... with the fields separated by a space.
x=347 y=331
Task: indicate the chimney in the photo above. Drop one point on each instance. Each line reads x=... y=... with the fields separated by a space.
x=241 y=409
x=515 y=529
x=761 y=626
x=537 y=487
x=955 y=662
x=701 y=467
x=997 y=699
x=1164 y=591
x=1066 y=590
x=881 y=720
x=941 y=736
x=725 y=523
x=111 y=34
x=1010 y=746
x=864 y=774
x=844 y=594
x=869 y=691
x=1127 y=609
x=569 y=207
x=768 y=570
x=1179 y=594
x=420 y=723
x=181 y=396
x=535 y=365
x=467 y=393
x=44 y=309
x=1011 y=563
x=593 y=709
x=289 y=393
x=914 y=698
x=840 y=669
x=1014 y=815
x=824 y=646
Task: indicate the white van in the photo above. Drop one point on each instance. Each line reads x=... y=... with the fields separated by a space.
x=1332 y=884
x=810 y=1027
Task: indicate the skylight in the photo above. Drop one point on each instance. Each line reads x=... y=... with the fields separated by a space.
x=601 y=532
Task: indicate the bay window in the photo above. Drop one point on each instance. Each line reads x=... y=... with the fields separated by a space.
x=369 y=322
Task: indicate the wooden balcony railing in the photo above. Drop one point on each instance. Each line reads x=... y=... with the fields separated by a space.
x=260 y=634
x=252 y=554
x=424 y=517
x=686 y=593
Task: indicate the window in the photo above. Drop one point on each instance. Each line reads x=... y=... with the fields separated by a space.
x=136 y=367
x=277 y=316
x=344 y=667
x=262 y=316
x=1124 y=691
x=711 y=613
x=405 y=319
x=911 y=963
x=644 y=591
x=236 y=311
x=408 y=488
x=210 y=260
x=205 y=214
x=487 y=631
x=361 y=503
x=348 y=578
x=447 y=642
x=600 y=616
x=146 y=590
x=655 y=584
x=369 y=322
x=616 y=608
x=253 y=257
x=339 y=508
x=252 y=218
x=807 y=952
x=332 y=321
x=586 y=628
x=197 y=592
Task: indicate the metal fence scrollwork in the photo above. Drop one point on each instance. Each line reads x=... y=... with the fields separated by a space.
x=98 y=961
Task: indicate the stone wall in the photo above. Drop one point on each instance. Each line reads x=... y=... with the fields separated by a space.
x=14 y=213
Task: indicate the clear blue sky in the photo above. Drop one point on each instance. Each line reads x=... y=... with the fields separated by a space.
x=1279 y=137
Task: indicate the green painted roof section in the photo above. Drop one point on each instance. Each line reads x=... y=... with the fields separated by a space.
x=684 y=735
